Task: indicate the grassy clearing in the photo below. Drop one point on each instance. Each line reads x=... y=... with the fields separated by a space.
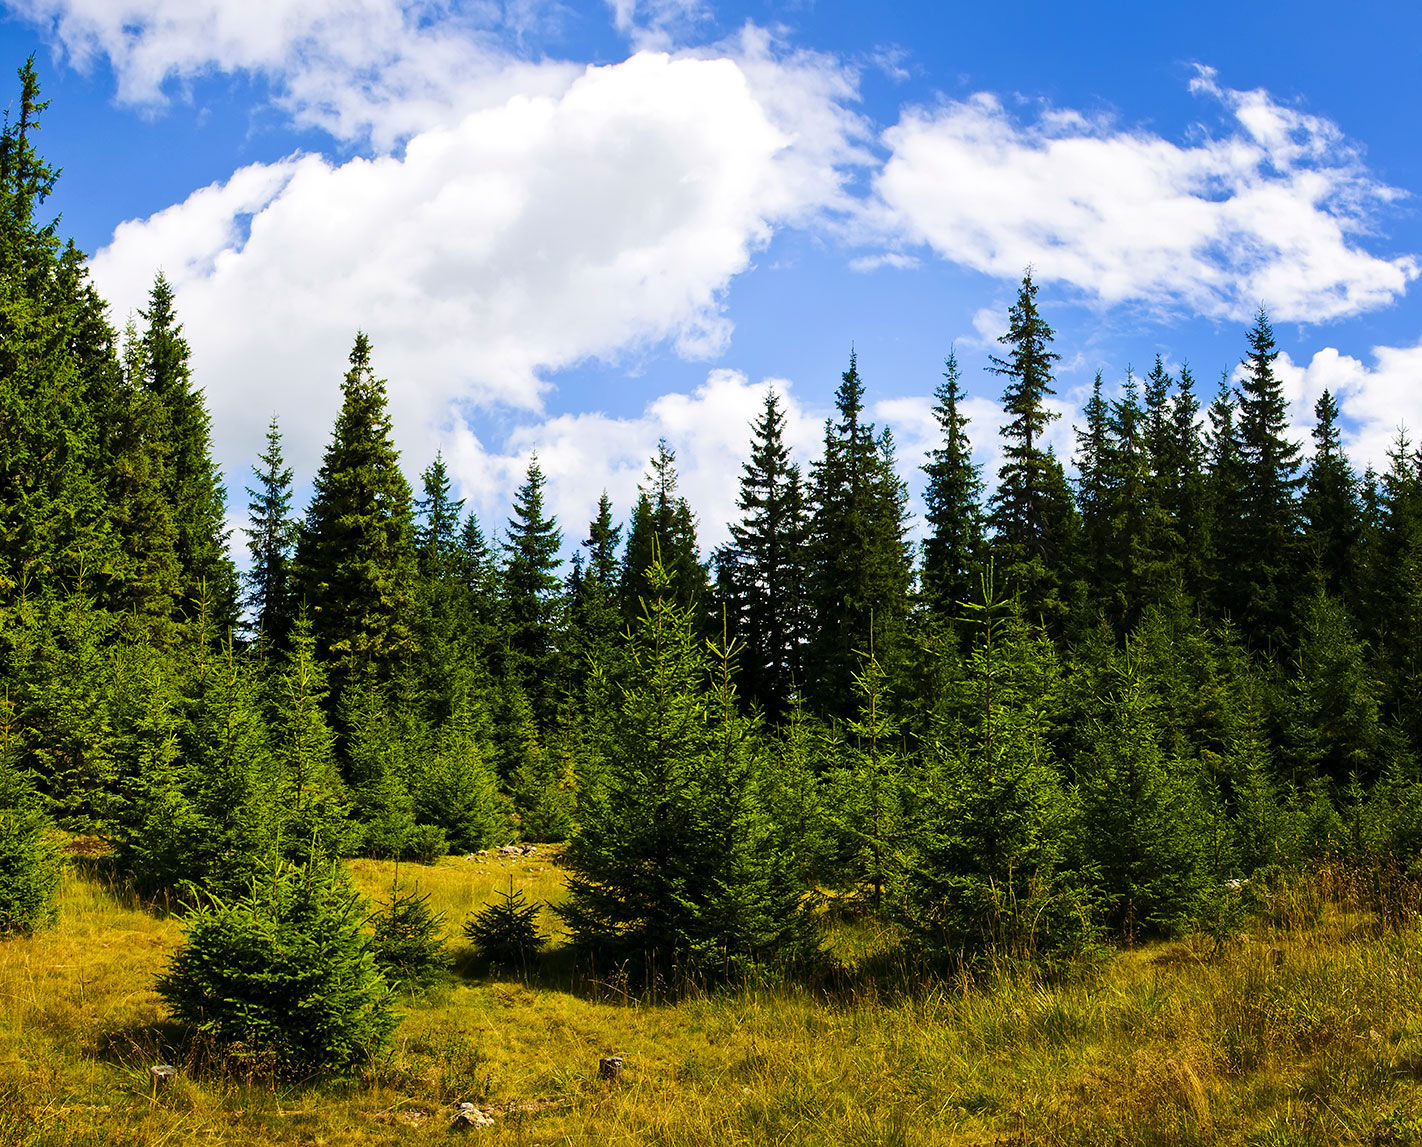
x=1307 y=1029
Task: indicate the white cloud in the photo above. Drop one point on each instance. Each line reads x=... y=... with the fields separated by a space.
x=523 y=239
x=657 y=23
x=1374 y=401
x=1270 y=213
x=583 y=454
x=896 y=259
x=378 y=69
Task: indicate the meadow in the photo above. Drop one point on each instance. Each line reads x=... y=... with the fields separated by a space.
x=1297 y=1024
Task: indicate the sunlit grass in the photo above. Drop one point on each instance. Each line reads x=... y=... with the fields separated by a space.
x=1307 y=1028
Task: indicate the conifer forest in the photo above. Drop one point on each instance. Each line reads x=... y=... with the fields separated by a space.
x=1101 y=693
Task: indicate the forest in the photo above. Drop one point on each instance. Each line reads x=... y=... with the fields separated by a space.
x=1085 y=710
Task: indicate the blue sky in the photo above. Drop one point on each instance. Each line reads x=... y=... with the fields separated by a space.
x=575 y=228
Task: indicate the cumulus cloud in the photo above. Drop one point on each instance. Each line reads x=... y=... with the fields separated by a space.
x=377 y=69
x=523 y=239
x=1271 y=212
x=582 y=454
x=1376 y=401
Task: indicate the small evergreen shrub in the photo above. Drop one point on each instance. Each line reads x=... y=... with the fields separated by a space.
x=29 y=871
x=408 y=944
x=506 y=932
x=425 y=844
x=283 y=980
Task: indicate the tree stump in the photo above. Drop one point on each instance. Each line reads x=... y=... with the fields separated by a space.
x=609 y=1067
x=163 y=1074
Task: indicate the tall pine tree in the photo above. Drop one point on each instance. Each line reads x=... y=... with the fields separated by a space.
x=952 y=500
x=355 y=557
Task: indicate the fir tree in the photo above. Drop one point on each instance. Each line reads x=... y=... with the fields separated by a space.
x=355 y=559
x=1332 y=516
x=952 y=503
x=667 y=867
x=763 y=566
x=195 y=492
x=662 y=529
x=271 y=538
x=1225 y=492
x=533 y=605
x=1028 y=520
x=859 y=556
x=594 y=616
x=1269 y=524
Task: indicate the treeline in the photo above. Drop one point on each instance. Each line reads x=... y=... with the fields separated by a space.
x=1081 y=706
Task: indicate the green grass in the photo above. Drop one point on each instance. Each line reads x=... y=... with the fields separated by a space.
x=1306 y=1028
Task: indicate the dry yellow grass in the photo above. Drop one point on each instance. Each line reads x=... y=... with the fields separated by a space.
x=1307 y=1031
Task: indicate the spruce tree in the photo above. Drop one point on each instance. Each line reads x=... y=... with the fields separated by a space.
x=952 y=500
x=594 y=616
x=1144 y=827
x=437 y=531
x=1332 y=515
x=668 y=868
x=59 y=374
x=987 y=874
x=271 y=538
x=533 y=604
x=195 y=492
x=1269 y=524
x=355 y=557
x=29 y=862
x=312 y=797
x=763 y=567
x=140 y=482
x=860 y=560
x=1033 y=530
x=1225 y=491
x=663 y=529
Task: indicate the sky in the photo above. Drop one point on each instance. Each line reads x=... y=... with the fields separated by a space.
x=576 y=228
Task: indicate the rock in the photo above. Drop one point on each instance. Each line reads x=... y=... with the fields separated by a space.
x=609 y=1067
x=163 y=1074
x=470 y=1116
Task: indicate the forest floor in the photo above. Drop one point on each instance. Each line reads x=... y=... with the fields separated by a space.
x=1305 y=1026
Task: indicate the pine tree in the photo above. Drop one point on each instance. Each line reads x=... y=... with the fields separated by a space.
x=59 y=373
x=1225 y=492
x=355 y=558
x=952 y=501
x=667 y=868
x=1269 y=525
x=594 y=618
x=1030 y=525
x=313 y=798
x=860 y=560
x=271 y=538
x=663 y=529
x=533 y=605
x=987 y=874
x=195 y=492
x=1332 y=516
x=1144 y=827
x=763 y=567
